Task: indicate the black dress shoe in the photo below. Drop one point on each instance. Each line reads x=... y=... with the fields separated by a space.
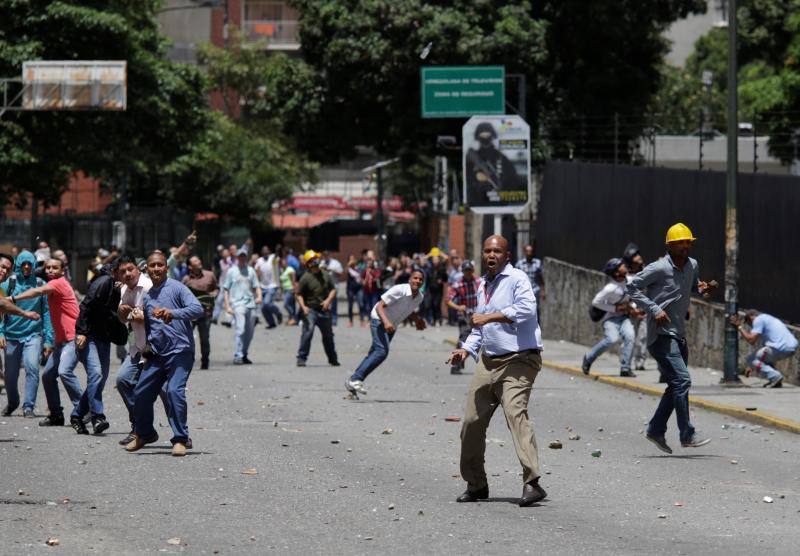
x=474 y=495
x=8 y=410
x=531 y=493
x=334 y=364
x=204 y=366
x=246 y=361
x=52 y=421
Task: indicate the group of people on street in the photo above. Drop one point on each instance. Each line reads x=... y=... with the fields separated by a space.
x=155 y=305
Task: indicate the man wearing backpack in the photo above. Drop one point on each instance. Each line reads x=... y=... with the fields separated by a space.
x=24 y=340
x=613 y=300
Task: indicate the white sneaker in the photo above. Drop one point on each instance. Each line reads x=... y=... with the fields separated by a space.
x=355 y=386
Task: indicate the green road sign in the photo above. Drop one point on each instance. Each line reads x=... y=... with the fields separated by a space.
x=463 y=91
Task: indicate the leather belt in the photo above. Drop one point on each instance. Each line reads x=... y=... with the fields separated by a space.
x=523 y=352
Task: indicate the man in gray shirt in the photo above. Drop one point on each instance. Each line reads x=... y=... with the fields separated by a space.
x=663 y=290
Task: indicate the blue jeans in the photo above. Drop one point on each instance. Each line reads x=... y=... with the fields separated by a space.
x=321 y=320
x=50 y=382
x=378 y=352
x=244 y=322
x=353 y=299
x=128 y=378
x=23 y=353
x=762 y=361
x=170 y=372
x=672 y=356
x=96 y=359
x=268 y=308
x=290 y=305
x=613 y=329
x=334 y=310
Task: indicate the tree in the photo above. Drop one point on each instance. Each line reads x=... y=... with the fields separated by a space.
x=769 y=76
x=166 y=101
x=358 y=81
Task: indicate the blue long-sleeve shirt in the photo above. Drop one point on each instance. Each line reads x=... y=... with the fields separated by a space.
x=175 y=337
x=509 y=293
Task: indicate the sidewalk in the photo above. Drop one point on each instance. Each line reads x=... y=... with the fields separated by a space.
x=774 y=407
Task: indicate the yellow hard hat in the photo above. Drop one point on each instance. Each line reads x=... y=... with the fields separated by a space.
x=310 y=254
x=679 y=232
x=435 y=252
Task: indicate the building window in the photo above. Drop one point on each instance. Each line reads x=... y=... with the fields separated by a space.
x=275 y=22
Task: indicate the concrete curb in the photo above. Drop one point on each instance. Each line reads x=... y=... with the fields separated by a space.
x=756 y=417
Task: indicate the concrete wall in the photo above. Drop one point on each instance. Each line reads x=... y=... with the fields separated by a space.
x=565 y=315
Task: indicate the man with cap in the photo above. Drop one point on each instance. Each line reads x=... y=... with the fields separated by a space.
x=664 y=289
x=613 y=300
x=315 y=293
x=242 y=296
x=463 y=298
x=635 y=263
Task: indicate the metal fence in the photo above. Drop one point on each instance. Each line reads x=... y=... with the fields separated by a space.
x=589 y=212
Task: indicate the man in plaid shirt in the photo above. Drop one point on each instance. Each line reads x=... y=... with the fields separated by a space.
x=463 y=298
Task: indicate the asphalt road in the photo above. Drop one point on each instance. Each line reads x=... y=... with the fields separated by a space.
x=284 y=463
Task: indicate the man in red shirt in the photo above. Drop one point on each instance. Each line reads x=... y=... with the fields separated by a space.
x=63 y=315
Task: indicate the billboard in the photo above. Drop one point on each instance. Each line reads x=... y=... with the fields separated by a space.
x=496 y=164
x=75 y=85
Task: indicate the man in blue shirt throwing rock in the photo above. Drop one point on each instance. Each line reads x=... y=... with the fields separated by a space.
x=663 y=289
x=778 y=344
x=507 y=338
x=169 y=309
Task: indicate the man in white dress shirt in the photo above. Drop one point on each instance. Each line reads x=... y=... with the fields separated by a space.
x=507 y=338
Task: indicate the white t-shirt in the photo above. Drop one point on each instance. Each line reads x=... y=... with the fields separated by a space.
x=334 y=268
x=399 y=303
x=266 y=271
x=135 y=298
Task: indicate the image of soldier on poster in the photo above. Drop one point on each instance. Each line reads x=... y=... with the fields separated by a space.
x=495 y=165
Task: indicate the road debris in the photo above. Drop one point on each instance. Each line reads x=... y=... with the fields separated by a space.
x=53 y=541
x=175 y=541
x=387 y=431
x=597 y=453
x=452 y=418
x=556 y=445
x=250 y=471
x=767 y=500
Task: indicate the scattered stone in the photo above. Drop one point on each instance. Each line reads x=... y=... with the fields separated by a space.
x=250 y=471
x=679 y=504
x=431 y=433
x=734 y=462
x=662 y=516
x=386 y=431
x=335 y=441
x=751 y=408
x=574 y=437
x=452 y=418
x=53 y=541
x=391 y=506
x=274 y=423
x=174 y=541
x=367 y=538
x=599 y=429
x=556 y=445
x=420 y=512
x=252 y=537
x=767 y=500
x=51 y=503
x=201 y=402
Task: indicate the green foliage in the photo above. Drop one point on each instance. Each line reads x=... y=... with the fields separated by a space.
x=769 y=76
x=237 y=170
x=166 y=101
x=358 y=81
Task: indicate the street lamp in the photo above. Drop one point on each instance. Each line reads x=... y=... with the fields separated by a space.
x=380 y=223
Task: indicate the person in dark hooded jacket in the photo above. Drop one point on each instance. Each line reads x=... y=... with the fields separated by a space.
x=23 y=339
x=92 y=347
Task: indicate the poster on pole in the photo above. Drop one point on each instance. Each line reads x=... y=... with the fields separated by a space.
x=496 y=164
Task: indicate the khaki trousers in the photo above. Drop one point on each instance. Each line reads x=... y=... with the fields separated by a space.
x=505 y=380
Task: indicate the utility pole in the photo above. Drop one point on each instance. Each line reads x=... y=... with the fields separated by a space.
x=731 y=357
